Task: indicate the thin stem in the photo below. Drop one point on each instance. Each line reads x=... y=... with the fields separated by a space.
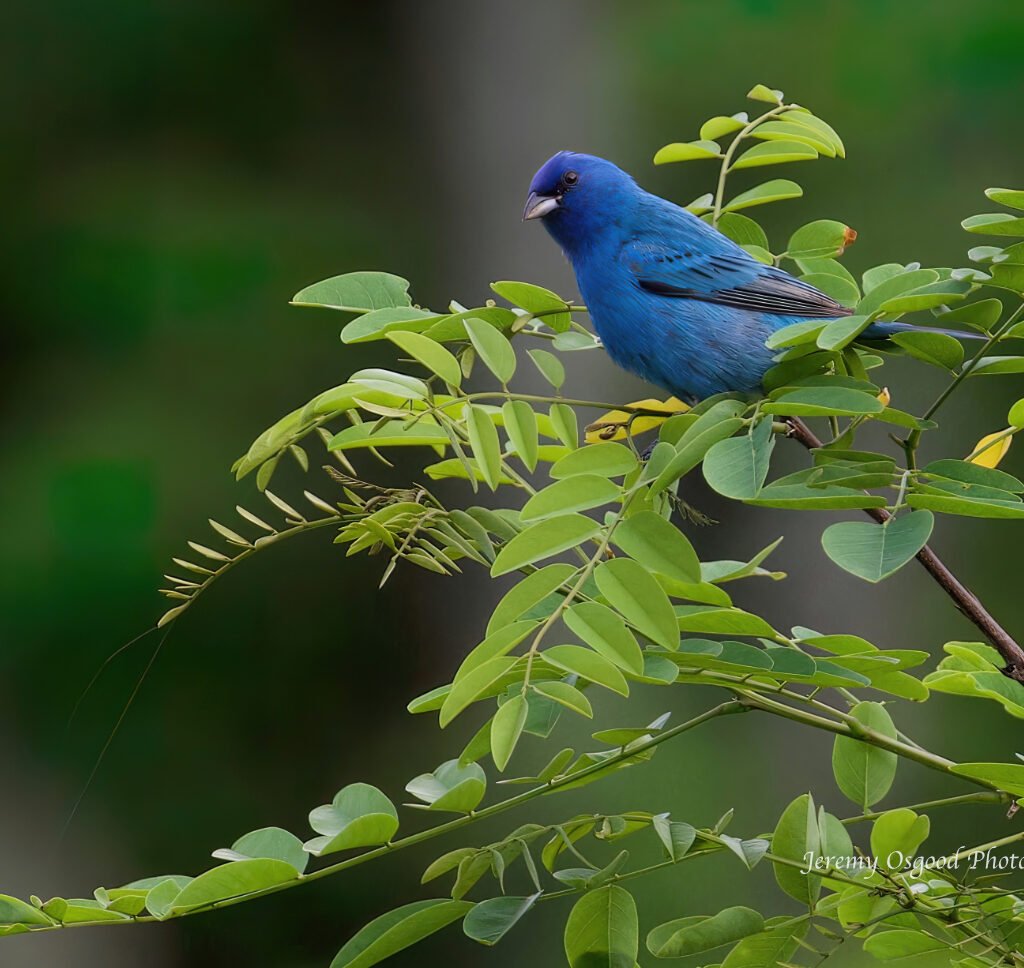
x=731 y=150
x=965 y=370
x=981 y=797
x=723 y=709
x=861 y=732
x=574 y=591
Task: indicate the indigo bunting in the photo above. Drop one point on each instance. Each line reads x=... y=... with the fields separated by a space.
x=673 y=300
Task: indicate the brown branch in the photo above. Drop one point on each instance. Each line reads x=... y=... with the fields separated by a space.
x=964 y=599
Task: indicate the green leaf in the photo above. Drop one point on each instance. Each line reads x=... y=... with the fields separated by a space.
x=694 y=935
x=454 y=787
x=828 y=267
x=492 y=347
x=840 y=289
x=483 y=439
x=962 y=471
x=451 y=328
x=715 y=424
x=491 y=920
x=524 y=596
x=356 y=292
x=1010 y=197
x=997 y=366
x=432 y=355
x=775 y=153
x=760 y=92
x=801 y=497
x=675 y=836
x=901 y=943
x=722 y=621
x=397 y=930
x=233 y=880
x=590 y=665
x=796 y=334
x=602 y=930
x=742 y=230
x=453 y=467
x=563 y=422
x=863 y=772
x=1006 y=776
x=605 y=633
x=994 y=223
x=776 y=190
x=842 y=332
x=631 y=591
x=15 y=911
x=659 y=546
x=1009 y=276
x=474 y=685
x=606 y=459
x=834 y=844
x=566 y=695
x=822 y=128
x=720 y=125
x=891 y=286
x=984 y=682
x=825 y=402
x=767 y=949
x=521 y=426
x=874 y=277
x=788 y=131
x=162 y=895
x=935 y=348
x=401 y=385
x=80 y=911
x=967 y=507
x=737 y=467
x=927 y=297
x=506 y=728
x=542 y=540
x=981 y=315
x=358 y=816
x=550 y=367
x=823 y=238
x=446 y=862
x=577 y=493
x=876 y=551
x=797 y=836
x=268 y=842
x=543 y=303
x=687 y=151
x=379 y=323
x=392 y=433
x=895 y=837
x=749 y=851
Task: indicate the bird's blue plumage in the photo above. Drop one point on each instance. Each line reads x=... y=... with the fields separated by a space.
x=673 y=300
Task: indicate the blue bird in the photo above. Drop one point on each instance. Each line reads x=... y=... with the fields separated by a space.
x=673 y=300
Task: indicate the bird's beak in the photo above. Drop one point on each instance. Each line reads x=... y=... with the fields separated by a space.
x=537 y=206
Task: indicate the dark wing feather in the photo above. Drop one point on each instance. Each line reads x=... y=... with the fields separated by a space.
x=728 y=277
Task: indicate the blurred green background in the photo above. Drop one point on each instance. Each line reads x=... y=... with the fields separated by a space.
x=174 y=172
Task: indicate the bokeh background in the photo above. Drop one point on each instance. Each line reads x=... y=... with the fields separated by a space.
x=174 y=171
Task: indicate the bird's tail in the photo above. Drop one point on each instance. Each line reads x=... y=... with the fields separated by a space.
x=886 y=330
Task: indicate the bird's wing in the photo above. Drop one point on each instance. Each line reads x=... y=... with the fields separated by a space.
x=713 y=269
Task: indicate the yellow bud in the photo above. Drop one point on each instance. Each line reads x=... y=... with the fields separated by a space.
x=884 y=397
x=990 y=450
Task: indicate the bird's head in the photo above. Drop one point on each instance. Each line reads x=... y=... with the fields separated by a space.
x=576 y=194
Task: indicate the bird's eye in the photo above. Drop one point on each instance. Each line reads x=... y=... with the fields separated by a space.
x=570 y=178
